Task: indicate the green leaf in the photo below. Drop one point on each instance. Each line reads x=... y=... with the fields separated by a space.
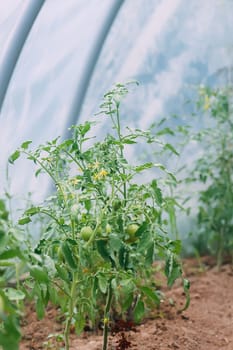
x=14 y=156
x=7 y=263
x=3 y=240
x=141 y=229
x=128 y=141
x=40 y=309
x=14 y=294
x=39 y=274
x=123 y=257
x=10 y=335
x=87 y=204
x=186 y=286
x=49 y=266
x=84 y=128
x=169 y=147
x=139 y=311
x=32 y=211
x=103 y=283
x=25 y=220
x=68 y=254
x=144 y=242
x=115 y=242
x=53 y=294
x=11 y=253
x=172 y=176
x=143 y=167
x=172 y=269
x=160 y=166
x=175 y=246
x=102 y=249
x=128 y=301
x=165 y=131
x=149 y=258
x=38 y=172
x=151 y=294
x=25 y=144
x=62 y=273
x=80 y=321
x=157 y=192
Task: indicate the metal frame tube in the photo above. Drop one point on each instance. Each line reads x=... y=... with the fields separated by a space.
x=15 y=43
x=84 y=81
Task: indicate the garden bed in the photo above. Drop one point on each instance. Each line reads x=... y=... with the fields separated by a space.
x=207 y=324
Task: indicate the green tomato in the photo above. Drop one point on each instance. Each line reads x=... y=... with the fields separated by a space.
x=104 y=232
x=86 y=233
x=131 y=231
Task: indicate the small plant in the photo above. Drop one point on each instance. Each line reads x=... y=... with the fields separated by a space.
x=104 y=228
x=214 y=169
x=54 y=342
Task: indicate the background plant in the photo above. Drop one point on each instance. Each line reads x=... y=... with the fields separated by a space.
x=214 y=169
x=104 y=229
x=12 y=262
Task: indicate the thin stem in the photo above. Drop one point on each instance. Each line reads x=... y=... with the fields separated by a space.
x=121 y=149
x=43 y=211
x=220 y=249
x=36 y=160
x=75 y=160
x=70 y=311
x=73 y=228
x=106 y=317
x=59 y=287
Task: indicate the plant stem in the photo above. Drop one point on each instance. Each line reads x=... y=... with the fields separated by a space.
x=106 y=317
x=121 y=149
x=220 y=249
x=70 y=311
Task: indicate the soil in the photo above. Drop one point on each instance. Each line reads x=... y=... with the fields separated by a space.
x=206 y=325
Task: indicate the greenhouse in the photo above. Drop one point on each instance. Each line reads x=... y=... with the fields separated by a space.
x=116 y=170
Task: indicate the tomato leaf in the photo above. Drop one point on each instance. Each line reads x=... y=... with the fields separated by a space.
x=68 y=254
x=14 y=156
x=25 y=220
x=139 y=311
x=151 y=294
x=39 y=274
x=40 y=310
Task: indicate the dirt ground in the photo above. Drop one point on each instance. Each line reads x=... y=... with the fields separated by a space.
x=206 y=325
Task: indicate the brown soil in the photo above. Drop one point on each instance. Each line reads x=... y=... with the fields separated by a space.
x=206 y=325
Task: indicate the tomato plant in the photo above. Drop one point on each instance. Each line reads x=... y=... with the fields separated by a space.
x=104 y=229
x=214 y=169
x=12 y=262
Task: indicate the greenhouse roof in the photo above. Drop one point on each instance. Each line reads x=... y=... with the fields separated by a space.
x=59 y=57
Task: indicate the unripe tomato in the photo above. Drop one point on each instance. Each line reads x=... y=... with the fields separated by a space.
x=131 y=231
x=86 y=233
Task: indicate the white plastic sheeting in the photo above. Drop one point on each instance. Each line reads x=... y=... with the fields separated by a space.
x=42 y=88
x=167 y=45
